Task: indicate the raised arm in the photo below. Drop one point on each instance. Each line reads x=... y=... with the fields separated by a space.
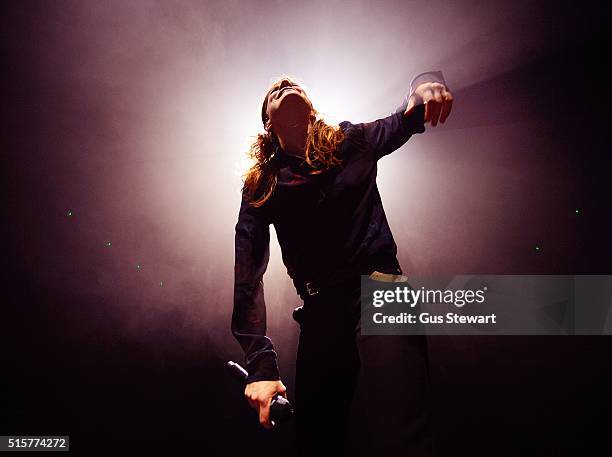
x=429 y=100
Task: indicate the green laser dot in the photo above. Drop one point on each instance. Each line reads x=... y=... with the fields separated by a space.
x=161 y=283
x=138 y=266
x=537 y=248
x=69 y=213
x=577 y=211
x=108 y=243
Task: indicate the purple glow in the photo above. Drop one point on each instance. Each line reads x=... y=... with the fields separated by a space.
x=147 y=110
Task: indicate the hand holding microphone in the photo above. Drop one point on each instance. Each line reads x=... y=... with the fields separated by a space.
x=267 y=397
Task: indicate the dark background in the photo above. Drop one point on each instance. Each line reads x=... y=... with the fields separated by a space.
x=99 y=349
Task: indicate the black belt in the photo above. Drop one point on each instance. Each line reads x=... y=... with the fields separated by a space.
x=309 y=288
x=310 y=285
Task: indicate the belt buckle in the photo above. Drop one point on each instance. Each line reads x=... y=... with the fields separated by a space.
x=310 y=289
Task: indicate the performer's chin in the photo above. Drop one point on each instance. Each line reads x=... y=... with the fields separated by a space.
x=293 y=109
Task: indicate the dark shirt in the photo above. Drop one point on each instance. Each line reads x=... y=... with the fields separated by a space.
x=325 y=223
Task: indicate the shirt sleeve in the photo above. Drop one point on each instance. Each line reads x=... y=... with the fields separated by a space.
x=390 y=133
x=252 y=249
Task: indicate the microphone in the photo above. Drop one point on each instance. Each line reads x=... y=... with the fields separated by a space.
x=280 y=409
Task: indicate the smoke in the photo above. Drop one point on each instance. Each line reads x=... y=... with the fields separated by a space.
x=134 y=117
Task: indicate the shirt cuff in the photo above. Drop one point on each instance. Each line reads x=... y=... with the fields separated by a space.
x=263 y=368
x=414 y=122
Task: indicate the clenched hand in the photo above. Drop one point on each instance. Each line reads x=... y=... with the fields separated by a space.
x=260 y=394
x=438 y=101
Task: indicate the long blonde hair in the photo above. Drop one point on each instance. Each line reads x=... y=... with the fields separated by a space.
x=322 y=144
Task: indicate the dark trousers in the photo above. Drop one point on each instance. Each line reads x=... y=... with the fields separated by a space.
x=358 y=395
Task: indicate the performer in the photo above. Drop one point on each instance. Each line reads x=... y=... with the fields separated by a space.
x=317 y=184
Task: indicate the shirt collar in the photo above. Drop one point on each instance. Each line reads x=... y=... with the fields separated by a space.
x=282 y=154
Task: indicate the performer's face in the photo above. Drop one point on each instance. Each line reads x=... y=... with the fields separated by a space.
x=287 y=106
